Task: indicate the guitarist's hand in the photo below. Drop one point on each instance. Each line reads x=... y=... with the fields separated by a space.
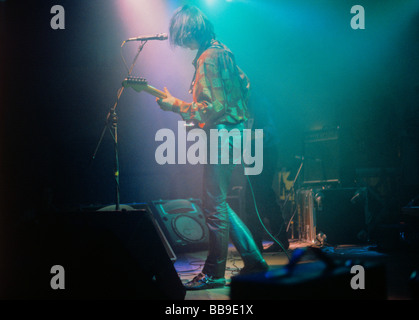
x=167 y=103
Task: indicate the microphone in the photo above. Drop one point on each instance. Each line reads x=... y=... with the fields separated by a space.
x=159 y=36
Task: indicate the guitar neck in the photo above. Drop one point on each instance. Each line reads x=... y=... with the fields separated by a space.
x=155 y=92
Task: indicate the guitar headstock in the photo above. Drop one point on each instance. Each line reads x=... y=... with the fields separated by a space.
x=137 y=83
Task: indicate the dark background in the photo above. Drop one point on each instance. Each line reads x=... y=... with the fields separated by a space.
x=58 y=85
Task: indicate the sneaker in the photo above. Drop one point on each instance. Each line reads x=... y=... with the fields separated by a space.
x=203 y=282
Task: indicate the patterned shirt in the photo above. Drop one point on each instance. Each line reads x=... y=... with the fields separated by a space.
x=220 y=89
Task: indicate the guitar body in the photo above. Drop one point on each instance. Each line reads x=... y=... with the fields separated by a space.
x=140 y=84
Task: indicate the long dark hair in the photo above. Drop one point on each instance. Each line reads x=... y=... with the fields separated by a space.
x=189 y=23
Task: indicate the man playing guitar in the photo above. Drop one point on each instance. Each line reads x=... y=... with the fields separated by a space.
x=220 y=92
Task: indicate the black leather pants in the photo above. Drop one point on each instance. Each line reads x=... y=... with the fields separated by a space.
x=223 y=223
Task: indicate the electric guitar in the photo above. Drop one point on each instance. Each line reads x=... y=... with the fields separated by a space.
x=140 y=84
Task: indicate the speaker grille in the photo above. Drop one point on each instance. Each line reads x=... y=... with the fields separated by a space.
x=183 y=223
x=188 y=228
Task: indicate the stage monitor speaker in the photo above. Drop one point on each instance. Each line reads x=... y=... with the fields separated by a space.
x=143 y=206
x=183 y=223
x=103 y=254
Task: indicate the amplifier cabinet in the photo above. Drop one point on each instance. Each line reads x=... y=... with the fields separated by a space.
x=338 y=217
x=321 y=157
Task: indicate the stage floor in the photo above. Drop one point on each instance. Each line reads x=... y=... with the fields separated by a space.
x=399 y=266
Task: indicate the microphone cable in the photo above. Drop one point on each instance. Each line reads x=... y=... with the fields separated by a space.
x=260 y=219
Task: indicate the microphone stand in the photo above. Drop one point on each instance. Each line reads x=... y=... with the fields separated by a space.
x=111 y=123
